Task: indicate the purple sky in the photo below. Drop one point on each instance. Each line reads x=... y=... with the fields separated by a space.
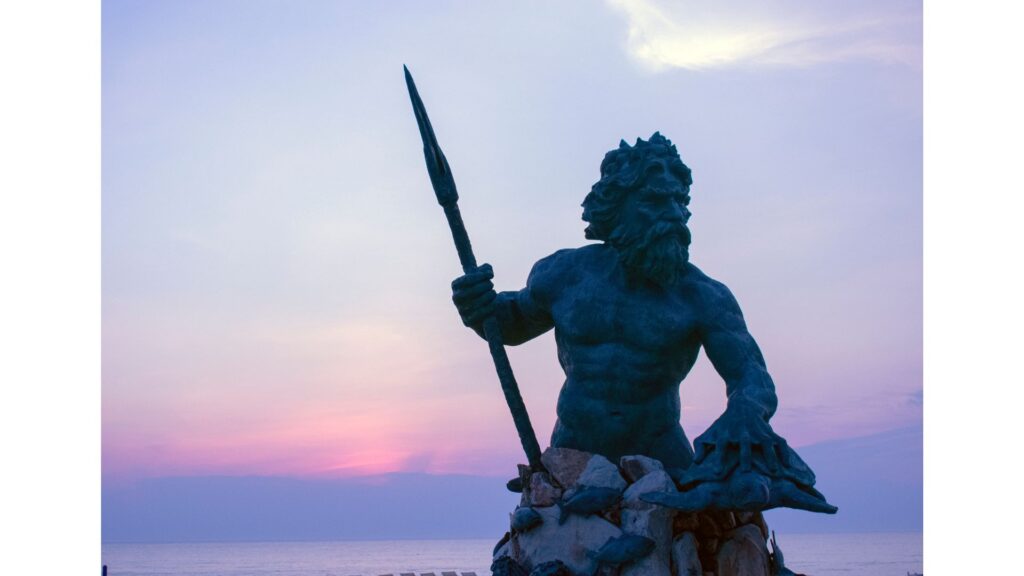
x=276 y=271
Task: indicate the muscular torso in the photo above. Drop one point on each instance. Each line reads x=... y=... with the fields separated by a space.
x=625 y=346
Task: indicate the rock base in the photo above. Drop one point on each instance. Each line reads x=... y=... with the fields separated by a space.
x=584 y=517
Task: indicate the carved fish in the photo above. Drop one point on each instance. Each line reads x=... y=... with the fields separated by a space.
x=624 y=549
x=525 y=518
x=589 y=500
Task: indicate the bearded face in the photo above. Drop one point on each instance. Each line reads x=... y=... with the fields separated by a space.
x=651 y=236
x=639 y=208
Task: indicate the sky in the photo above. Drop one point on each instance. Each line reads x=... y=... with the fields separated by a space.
x=276 y=270
x=875 y=481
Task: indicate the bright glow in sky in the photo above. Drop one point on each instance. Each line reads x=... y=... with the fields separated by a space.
x=779 y=32
x=276 y=270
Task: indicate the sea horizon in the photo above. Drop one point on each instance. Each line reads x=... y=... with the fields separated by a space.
x=862 y=553
x=415 y=539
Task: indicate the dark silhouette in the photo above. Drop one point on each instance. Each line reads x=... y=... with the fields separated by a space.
x=630 y=316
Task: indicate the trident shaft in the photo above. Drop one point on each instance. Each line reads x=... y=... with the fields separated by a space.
x=448 y=198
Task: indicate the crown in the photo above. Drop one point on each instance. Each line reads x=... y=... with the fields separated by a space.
x=626 y=155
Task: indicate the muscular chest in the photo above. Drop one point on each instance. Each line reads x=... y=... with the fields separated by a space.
x=602 y=310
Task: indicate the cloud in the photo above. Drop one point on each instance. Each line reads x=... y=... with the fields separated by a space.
x=665 y=35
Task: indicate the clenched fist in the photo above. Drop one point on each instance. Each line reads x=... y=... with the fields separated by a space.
x=474 y=295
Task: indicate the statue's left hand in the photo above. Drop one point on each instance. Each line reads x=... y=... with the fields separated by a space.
x=742 y=438
x=742 y=464
x=749 y=491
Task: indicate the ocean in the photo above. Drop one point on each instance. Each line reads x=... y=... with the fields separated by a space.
x=866 y=554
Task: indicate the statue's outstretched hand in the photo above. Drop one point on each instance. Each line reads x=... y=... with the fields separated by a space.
x=742 y=464
x=747 y=491
x=742 y=438
x=474 y=295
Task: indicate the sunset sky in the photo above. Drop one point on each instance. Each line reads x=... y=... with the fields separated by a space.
x=276 y=270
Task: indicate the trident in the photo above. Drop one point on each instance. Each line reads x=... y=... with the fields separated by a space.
x=448 y=198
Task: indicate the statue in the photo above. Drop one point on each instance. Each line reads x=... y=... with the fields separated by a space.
x=630 y=315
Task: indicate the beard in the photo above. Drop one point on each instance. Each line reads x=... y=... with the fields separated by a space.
x=658 y=254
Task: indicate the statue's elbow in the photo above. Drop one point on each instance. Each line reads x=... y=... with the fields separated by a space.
x=509 y=336
x=514 y=340
x=479 y=329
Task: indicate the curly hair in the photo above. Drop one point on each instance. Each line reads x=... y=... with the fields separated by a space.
x=623 y=171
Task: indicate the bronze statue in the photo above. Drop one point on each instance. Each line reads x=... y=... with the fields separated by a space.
x=630 y=316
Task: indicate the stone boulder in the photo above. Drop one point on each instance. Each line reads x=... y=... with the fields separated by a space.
x=685 y=559
x=564 y=464
x=601 y=473
x=743 y=552
x=601 y=503
x=649 y=520
x=636 y=467
x=541 y=492
x=573 y=543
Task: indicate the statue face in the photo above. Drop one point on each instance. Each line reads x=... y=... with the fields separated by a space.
x=663 y=198
x=651 y=234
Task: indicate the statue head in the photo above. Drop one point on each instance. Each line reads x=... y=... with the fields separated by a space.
x=639 y=207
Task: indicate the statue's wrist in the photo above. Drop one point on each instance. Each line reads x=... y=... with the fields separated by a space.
x=745 y=404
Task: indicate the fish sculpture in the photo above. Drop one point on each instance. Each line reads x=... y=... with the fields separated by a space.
x=525 y=518
x=587 y=501
x=623 y=550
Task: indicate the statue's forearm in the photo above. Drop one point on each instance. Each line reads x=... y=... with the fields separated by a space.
x=516 y=326
x=754 y=390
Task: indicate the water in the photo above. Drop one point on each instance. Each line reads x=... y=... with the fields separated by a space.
x=341 y=558
x=876 y=554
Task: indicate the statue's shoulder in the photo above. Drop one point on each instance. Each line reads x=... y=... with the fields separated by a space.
x=566 y=265
x=570 y=260
x=704 y=290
